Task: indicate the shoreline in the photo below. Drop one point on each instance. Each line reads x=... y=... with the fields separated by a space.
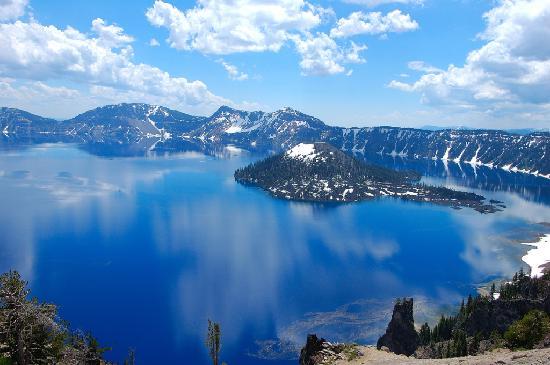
x=538 y=257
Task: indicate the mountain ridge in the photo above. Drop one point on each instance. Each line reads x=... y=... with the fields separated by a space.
x=283 y=129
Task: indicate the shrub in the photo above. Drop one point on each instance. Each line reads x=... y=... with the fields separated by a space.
x=529 y=330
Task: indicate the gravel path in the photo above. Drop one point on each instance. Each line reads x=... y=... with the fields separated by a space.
x=371 y=356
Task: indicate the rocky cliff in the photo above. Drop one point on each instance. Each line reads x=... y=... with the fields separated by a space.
x=401 y=337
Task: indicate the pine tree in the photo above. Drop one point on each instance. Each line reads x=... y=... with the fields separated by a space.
x=28 y=328
x=469 y=304
x=425 y=334
x=213 y=341
x=460 y=344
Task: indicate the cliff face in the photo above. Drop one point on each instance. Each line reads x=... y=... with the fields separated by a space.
x=400 y=336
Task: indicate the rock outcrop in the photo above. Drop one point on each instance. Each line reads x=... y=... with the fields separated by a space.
x=318 y=351
x=401 y=336
x=309 y=352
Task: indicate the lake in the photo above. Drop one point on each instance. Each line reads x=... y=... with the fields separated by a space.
x=143 y=250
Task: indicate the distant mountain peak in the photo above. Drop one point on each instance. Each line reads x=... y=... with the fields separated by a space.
x=289 y=109
x=226 y=109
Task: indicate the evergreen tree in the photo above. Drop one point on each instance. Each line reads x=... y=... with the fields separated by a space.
x=425 y=334
x=213 y=341
x=460 y=344
x=32 y=333
x=28 y=328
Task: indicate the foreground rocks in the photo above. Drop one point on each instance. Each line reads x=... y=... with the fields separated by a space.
x=318 y=351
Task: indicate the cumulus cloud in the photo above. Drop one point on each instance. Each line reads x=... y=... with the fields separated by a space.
x=374 y=23
x=31 y=51
x=233 y=71
x=41 y=98
x=231 y=26
x=511 y=70
x=374 y=3
x=12 y=9
x=154 y=43
x=35 y=90
x=321 y=55
x=110 y=36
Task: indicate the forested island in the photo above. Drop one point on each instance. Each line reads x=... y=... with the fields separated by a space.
x=319 y=172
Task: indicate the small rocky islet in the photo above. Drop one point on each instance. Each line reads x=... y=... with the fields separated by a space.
x=319 y=172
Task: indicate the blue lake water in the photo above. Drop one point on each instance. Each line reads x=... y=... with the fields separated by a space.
x=143 y=250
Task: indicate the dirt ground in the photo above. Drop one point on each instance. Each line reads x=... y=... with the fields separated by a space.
x=372 y=356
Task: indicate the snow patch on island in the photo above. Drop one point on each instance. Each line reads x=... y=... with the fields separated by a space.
x=303 y=151
x=538 y=256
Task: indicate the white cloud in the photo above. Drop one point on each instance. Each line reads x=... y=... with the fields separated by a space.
x=423 y=67
x=12 y=9
x=321 y=55
x=231 y=26
x=31 y=51
x=373 y=23
x=35 y=90
x=40 y=98
x=154 y=43
x=510 y=72
x=374 y=3
x=110 y=36
x=233 y=71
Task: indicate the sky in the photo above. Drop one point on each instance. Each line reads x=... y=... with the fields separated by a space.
x=474 y=63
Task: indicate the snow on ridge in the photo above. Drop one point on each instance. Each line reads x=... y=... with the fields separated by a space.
x=538 y=256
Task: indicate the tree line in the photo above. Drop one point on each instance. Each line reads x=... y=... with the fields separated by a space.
x=461 y=334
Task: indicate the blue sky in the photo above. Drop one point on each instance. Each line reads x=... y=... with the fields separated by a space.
x=348 y=62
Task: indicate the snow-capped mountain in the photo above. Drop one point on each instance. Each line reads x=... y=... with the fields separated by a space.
x=279 y=129
x=20 y=123
x=132 y=121
x=284 y=129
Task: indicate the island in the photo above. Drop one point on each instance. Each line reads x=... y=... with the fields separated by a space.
x=319 y=172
